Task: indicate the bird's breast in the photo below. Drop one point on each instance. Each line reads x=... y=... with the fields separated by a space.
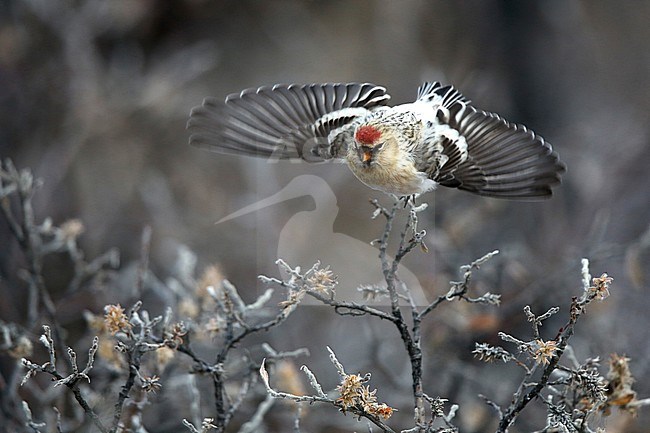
x=401 y=178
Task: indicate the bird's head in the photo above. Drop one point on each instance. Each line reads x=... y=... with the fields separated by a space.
x=372 y=144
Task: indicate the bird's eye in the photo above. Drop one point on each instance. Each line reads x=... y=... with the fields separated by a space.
x=379 y=145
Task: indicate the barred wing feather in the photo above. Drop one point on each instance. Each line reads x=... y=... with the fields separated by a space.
x=282 y=121
x=504 y=160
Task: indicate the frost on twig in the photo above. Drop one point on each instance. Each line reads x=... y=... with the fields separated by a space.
x=573 y=393
x=206 y=320
x=77 y=375
x=313 y=382
x=488 y=353
x=72 y=380
x=586 y=276
x=353 y=395
x=296 y=284
x=206 y=425
x=459 y=289
x=50 y=367
x=317 y=281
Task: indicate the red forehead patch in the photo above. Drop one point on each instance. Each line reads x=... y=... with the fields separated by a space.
x=367 y=134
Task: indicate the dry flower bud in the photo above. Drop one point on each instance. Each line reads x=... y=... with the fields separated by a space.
x=115 y=319
x=382 y=410
x=355 y=395
x=322 y=280
x=151 y=384
x=600 y=286
x=350 y=390
x=293 y=299
x=544 y=351
x=174 y=337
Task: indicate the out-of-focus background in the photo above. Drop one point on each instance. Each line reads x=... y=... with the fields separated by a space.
x=95 y=96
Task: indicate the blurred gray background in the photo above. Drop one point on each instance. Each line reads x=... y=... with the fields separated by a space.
x=95 y=95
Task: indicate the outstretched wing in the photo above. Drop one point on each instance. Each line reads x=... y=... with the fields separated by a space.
x=504 y=160
x=445 y=97
x=282 y=121
x=501 y=159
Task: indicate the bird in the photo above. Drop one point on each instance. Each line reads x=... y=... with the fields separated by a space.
x=405 y=150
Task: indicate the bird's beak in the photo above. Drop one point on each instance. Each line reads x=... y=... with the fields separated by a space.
x=367 y=156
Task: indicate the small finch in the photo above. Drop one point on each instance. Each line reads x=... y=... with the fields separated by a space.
x=405 y=150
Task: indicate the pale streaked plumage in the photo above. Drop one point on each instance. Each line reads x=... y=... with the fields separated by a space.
x=407 y=149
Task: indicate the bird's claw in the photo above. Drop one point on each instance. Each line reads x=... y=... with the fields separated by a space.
x=409 y=199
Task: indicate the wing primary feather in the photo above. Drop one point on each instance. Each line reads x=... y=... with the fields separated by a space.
x=282 y=119
x=504 y=160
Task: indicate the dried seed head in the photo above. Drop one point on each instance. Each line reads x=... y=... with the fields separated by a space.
x=322 y=280
x=151 y=384
x=355 y=395
x=544 y=351
x=350 y=390
x=174 y=337
x=115 y=320
x=600 y=286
